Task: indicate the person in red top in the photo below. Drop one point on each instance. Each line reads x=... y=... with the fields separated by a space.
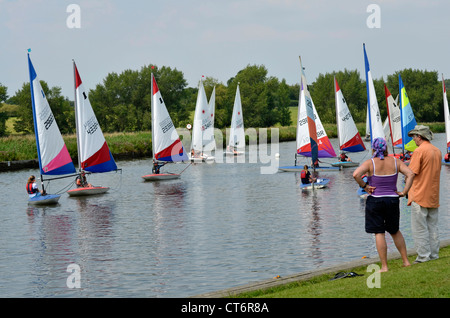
x=32 y=188
x=424 y=194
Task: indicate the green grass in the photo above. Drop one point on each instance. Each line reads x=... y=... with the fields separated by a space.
x=425 y=280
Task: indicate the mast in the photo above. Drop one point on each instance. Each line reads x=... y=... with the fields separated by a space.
x=337 y=114
x=76 y=115
x=36 y=133
x=153 y=117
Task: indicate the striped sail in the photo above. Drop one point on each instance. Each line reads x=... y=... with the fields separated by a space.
x=407 y=117
x=349 y=137
x=54 y=158
x=376 y=125
x=311 y=134
x=166 y=143
x=93 y=151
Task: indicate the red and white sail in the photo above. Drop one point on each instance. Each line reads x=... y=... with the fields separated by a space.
x=348 y=135
x=166 y=142
x=93 y=151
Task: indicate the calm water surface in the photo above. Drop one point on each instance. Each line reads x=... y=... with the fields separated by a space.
x=220 y=225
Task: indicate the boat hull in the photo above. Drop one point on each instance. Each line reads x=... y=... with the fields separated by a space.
x=47 y=199
x=202 y=159
x=345 y=164
x=161 y=176
x=320 y=184
x=300 y=168
x=233 y=153
x=79 y=192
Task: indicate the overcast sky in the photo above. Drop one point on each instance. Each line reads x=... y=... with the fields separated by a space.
x=217 y=38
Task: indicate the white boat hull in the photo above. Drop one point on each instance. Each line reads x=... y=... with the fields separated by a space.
x=320 y=184
x=161 y=176
x=78 y=192
x=47 y=199
x=345 y=164
x=300 y=168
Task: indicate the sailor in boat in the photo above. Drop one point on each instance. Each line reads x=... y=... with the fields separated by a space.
x=231 y=149
x=157 y=166
x=306 y=177
x=447 y=157
x=81 y=181
x=32 y=188
x=344 y=158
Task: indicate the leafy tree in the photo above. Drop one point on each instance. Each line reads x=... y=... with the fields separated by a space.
x=3 y=115
x=61 y=108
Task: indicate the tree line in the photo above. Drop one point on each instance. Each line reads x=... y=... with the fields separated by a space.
x=122 y=101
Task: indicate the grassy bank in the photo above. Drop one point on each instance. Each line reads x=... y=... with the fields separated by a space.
x=139 y=144
x=425 y=280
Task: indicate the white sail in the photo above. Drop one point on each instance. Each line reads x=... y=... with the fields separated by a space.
x=236 y=140
x=209 y=142
x=202 y=121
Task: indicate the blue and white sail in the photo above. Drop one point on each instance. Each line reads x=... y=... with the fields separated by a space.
x=376 y=124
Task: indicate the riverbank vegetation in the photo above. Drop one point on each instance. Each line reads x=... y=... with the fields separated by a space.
x=129 y=145
x=425 y=280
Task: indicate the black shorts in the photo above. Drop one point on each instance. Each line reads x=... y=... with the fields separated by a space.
x=382 y=214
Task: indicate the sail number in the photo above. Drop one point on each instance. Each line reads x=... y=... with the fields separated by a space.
x=49 y=121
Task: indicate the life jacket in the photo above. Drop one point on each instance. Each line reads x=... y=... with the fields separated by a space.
x=30 y=189
x=303 y=174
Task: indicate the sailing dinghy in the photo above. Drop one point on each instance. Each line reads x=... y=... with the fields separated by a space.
x=447 y=121
x=348 y=135
x=393 y=131
x=53 y=156
x=94 y=155
x=166 y=144
x=201 y=132
x=236 y=141
x=305 y=131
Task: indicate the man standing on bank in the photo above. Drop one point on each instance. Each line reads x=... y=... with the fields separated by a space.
x=424 y=194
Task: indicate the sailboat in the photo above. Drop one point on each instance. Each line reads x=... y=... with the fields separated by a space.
x=348 y=135
x=375 y=124
x=94 y=155
x=393 y=124
x=166 y=144
x=202 y=121
x=407 y=118
x=209 y=142
x=304 y=140
x=236 y=140
x=447 y=121
x=53 y=156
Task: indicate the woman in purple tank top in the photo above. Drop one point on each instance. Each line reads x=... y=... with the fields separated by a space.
x=382 y=204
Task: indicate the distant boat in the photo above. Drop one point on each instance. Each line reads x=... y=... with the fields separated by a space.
x=53 y=156
x=375 y=123
x=319 y=184
x=447 y=121
x=393 y=125
x=166 y=144
x=348 y=136
x=236 y=139
x=407 y=118
x=94 y=155
x=201 y=128
x=311 y=136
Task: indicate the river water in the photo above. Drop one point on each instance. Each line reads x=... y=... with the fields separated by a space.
x=220 y=225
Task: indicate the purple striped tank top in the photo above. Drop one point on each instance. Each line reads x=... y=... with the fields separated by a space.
x=386 y=185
